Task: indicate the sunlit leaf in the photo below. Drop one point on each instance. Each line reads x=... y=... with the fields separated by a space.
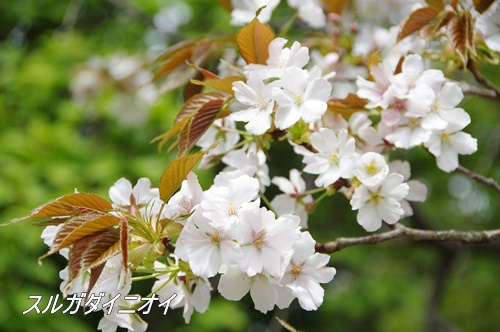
x=253 y=42
x=222 y=84
x=482 y=5
x=335 y=6
x=417 y=20
x=170 y=228
x=60 y=209
x=176 y=172
x=438 y=4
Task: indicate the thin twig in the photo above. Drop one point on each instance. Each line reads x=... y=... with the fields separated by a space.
x=479 y=178
x=400 y=231
x=474 y=90
x=483 y=80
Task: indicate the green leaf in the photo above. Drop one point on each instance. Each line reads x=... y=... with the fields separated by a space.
x=176 y=172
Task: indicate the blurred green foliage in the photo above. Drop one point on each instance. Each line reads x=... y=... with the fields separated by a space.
x=49 y=145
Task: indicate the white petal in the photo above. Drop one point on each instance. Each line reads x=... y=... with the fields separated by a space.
x=234 y=284
x=369 y=218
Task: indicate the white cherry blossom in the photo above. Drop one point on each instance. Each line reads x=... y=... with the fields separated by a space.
x=380 y=202
x=417 y=190
x=310 y=11
x=372 y=169
x=307 y=269
x=186 y=199
x=304 y=96
x=206 y=246
x=224 y=201
x=280 y=58
x=265 y=241
x=255 y=104
x=234 y=284
x=448 y=143
x=335 y=158
x=190 y=293
x=294 y=200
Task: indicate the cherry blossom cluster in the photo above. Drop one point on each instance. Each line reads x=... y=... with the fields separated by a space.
x=419 y=107
x=224 y=231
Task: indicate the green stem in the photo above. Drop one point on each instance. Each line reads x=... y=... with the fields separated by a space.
x=320 y=198
x=266 y=201
x=313 y=191
x=149 y=276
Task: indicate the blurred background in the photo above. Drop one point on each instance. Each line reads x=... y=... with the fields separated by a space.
x=75 y=112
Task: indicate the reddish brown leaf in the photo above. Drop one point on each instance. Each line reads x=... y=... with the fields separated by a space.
x=195 y=103
x=417 y=20
x=79 y=227
x=124 y=242
x=191 y=89
x=176 y=60
x=91 y=251
x=460 y=34
x=441 y=20
x=95 y=273
x=60 y=209
x=482 y=5
x=179 y=47
x=206 y=73
x=348 y=105
x=399 y=66
x=199 y=123
x=253 y=42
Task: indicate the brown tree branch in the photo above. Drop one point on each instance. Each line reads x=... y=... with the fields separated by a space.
x=479 y=178
x=400 y=231
x=482 y=80
x=474 y=90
